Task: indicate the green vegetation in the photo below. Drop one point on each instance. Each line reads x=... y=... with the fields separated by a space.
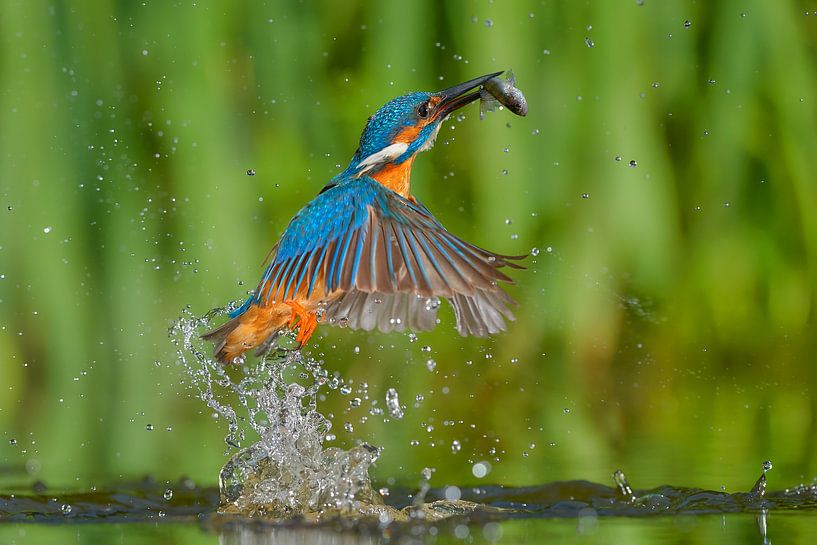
x=666 y=326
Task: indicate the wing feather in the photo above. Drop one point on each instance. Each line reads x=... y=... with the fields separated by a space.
x=382 y=261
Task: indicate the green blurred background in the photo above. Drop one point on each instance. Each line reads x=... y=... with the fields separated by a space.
x=666 y=326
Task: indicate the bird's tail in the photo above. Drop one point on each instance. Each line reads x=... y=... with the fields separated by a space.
x=254 y=327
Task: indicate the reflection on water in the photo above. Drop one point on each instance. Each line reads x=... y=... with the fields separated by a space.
x=724 y=530
x=243 y=535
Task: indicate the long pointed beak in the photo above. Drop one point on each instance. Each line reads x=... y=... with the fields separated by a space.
x=457 y=96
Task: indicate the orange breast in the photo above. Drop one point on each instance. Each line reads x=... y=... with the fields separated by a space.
x=396 y=177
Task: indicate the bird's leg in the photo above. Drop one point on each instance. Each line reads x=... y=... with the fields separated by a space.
x=306 y=322
x=297 y=311
x=307 y=328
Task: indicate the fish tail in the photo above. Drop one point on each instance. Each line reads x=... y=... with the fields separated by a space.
x=250 y=329
x=487 y=103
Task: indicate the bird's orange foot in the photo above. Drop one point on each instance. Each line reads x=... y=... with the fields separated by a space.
x=306 y=322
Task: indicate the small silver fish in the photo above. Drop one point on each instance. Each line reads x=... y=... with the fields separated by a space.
x=502 y=92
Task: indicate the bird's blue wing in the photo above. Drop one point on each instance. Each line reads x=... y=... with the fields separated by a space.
x=370 y=243
x=313 y=238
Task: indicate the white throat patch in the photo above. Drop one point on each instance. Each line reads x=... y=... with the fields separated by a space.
x=429 y=143
x=386 y=155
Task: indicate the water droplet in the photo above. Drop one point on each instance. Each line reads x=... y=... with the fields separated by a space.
x=343 y=321
x=431 y=364
x=618 y=158
x=66 y=509
x=534 y=251
x=426 y=473
x=480 y=469
x=168 y=495
x=47 y=229
x=585 y=195
x=452 y=493
x=589 y=42
x=393 y=404
x=250 y=172
x=455 y=446
x=425 y=349
x=489 y=23
x=633 y=163
x=566 y=410
x=767 y=466
x=149 y=427
x=12 y=442
x=687 y=23
x=432 y=303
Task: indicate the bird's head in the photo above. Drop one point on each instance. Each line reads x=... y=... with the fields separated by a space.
x=404 y=127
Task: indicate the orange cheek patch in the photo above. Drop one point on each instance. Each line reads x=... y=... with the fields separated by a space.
x=408 y=134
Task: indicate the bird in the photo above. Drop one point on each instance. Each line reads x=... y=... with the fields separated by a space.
x=365 y=253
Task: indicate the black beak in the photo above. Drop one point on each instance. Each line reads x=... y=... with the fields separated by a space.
x=457 y=96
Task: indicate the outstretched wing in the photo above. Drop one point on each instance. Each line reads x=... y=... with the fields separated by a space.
x=390 y=260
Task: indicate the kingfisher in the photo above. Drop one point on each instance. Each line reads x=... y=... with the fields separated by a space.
x=366 y=254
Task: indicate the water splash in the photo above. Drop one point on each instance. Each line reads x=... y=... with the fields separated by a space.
x=758 y=491
x=288 y=471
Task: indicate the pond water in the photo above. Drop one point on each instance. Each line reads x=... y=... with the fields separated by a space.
x=577 y=511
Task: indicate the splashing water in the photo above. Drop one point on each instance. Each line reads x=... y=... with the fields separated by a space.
x=288 y=471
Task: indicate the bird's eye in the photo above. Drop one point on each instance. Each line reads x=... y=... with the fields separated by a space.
x=422 y=110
